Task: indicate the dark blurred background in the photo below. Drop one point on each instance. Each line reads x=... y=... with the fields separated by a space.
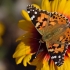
x=10 y=14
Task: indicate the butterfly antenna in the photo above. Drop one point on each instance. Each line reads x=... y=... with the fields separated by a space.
x=39 y=49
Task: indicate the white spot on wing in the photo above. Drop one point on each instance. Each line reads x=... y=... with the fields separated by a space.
x=32 y=17
x=35 y=12
x=52 y=57
x=55 y=62
x=52 y=12
x=28 y=11
x=59 y=56
x=37 y=24
x=55 y=56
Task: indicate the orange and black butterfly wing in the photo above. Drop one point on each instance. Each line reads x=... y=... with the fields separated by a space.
x=38 y=17
x=60 y=38
x=58 y=57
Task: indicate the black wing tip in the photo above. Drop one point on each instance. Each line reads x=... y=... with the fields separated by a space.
x=29 y=6
x=33 y=7
x=59 y=63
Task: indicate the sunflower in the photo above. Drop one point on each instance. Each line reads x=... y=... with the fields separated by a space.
x=29 y=42
x=1 y=32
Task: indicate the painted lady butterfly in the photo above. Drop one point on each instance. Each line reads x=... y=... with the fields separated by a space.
x=55 y=31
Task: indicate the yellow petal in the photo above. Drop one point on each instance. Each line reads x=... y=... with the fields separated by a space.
x=21 y=45
x=39 y=66
x=52 y=66
x=25 y=15
x=38 y=62
x=65 y=66
x=19 y=59
x=45 y=66
x=62 y=5
x=26 y=37
x=68 y=54
x=46 y=5
x=35 y=61
x=27 y=59
x=19 y=38
x=67 y=9
x=23 y=50
x=25 y=25
x=60 y=68
x=36 y=6
x=54 y=5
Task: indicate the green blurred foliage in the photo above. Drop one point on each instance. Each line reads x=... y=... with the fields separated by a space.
x=3 y=52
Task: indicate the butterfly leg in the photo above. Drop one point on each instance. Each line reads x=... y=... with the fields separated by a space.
x=38 y=51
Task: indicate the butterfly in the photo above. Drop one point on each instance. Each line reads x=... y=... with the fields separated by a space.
x=55 y=31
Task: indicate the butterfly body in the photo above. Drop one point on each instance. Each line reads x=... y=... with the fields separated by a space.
x=54 y=30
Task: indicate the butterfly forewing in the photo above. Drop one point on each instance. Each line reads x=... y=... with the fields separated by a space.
x=40 y=18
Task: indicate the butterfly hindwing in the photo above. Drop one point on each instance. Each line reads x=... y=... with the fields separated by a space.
x=58 y=50
x=58 y=54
